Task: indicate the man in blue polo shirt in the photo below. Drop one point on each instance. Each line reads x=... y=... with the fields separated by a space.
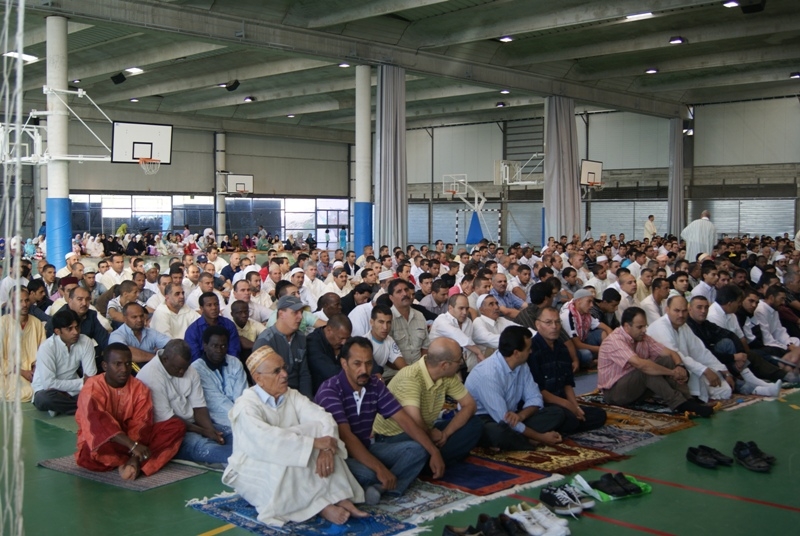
x=142 y=341
x=354 y=398
x=209 y=309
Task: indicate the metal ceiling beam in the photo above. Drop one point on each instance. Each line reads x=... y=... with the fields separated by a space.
x=748 y=28
x=775 y=74
x=161 y=17
x=691 y=63
x=516 y=18
x=305 y=14
x=140 y=58
x=38 y=35
x=324 y=104
x=211 y=79
x=786 y=88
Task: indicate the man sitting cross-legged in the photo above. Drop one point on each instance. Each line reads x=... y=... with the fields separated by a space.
x=503 y=382
x=177 y=391
x=115 y=422
x=287 y=459
x=421 y=389
x=142 y=341
x=354 y=398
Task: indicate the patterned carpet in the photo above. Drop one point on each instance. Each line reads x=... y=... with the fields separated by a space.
x=614 y=439
x=566 y=458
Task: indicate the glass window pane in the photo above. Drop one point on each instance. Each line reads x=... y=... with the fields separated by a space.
x=300 y=221
x=333 y=217
x=116 y=201
x=192 y=200
x=79 y=198
x=336 y=204
x=96 y=198
x=301 y=205
x=152 y=203
x=116 y=213
x=322 y=217
x=344 y=218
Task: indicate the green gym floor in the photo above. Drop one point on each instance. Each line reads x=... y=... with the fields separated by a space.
x=686 y=499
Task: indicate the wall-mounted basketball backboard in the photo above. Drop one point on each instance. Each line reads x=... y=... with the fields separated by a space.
x=131 y=142
x=232 y=184
x=591 y=172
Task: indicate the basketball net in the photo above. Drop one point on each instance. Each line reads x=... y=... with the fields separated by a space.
x=11 y=466
x=150 y=165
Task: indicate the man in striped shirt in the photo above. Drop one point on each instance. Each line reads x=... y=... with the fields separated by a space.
x=354 y=398
x=632 y=366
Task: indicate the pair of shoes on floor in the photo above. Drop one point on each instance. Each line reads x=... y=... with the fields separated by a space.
x=506 y=524
x=695 y=407
x=565 y=500
x=538 y=520
x=707 y=457
x=616 y=485
x=751 y=457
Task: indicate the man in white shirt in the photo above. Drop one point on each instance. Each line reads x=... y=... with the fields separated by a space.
x=599 y=279
x=274 y=274
x=71 y=258
x=486 y=329
x=766 y=316
x=172 y=317
x=257 y=293
x=214 y=258
x=455 y=324
x=708 y=378
x=385 y=351
x=639 y=260
x=158 y=298
x=297 y=276
x=706 y=287
x=311 y=282
x=627 y=291
x=56 y=383
x=520 y=285
x=115 y=274
x=655 y=304
x=204 y=284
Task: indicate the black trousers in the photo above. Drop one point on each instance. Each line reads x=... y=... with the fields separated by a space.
x=502 y=436
x=54 y=400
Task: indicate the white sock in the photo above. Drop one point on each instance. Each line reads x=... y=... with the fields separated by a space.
x=772 y=390
x=750 y=378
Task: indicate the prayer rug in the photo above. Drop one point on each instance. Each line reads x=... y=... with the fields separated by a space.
x=167 y=475
x=650 y=406
x=423 y=501
x=642 y=421
x=740 y=401
x=480 y=476
x=231 y=508
x=614 y=439
x=568 y=457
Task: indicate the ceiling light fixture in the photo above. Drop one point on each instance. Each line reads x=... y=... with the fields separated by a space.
x=731 y=4
x=651 y=71
x=677 y=40
x=506 y=39
x=233 y=85
x=504 y=92
x=249 y=98
x=795 y=75
x=344 y=65
x=134 y=70
x=290 y=116
x=639 y=16
x=225 y=84
x=134 y=99
x=500 y=105
x=76 y=81
x=27 y=58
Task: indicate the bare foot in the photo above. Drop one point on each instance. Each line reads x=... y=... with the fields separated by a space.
x=350 y=507
x=130 y=470
x=335 y=514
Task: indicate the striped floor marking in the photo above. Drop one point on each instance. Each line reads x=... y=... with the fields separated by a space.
x=218 y=530
x=605 y=519
x=706 y=491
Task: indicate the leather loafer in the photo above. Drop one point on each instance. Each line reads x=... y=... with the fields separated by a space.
x=744 y=455
x=720 y=458
x=699 y=457
x=490 y=526
x=760 y=453
x=629 y=487
x=450 y=530
x=609 y=486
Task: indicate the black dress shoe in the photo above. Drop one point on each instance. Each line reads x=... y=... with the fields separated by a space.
x=629 y=487
x=512 y=526
x=720 y=458
x=760 y=453
x=698 y=408
x=450 y=530
x=490 y=526
x=744 y=455
x=699 y=457
x=609 y=486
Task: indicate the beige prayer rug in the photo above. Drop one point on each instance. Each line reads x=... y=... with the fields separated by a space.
x=566 y=458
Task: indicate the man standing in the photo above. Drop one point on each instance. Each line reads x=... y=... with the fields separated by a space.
x=172 y=317
x=500 y=385
x=421 y=389
x=650 y=227
x=209 y=307
x=56 y=383
x=286 y=340
x=177 y=392
x=700 y=236
x=115 y=422
x=354 y=398
x=633 y=365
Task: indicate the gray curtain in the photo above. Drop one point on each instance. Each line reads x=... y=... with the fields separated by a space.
x=562 y=196
x=391 y=198
x=676 y=217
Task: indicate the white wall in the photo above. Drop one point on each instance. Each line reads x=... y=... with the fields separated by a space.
x=280 y=166
x=418 y=156
x=740 y=133
x=625 y=140
x=470 y=150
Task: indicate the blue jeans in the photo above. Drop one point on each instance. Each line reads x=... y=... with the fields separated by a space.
x=405 y=460
x=458 y=445
x=200 y=449
x=594 y=338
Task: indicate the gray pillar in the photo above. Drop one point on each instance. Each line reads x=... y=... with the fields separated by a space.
x=676 y=218
x=219 y=165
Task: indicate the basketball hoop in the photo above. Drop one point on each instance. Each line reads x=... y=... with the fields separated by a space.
x=242 y=193
x=451 y=192
x=596 y=186
x=150 y=165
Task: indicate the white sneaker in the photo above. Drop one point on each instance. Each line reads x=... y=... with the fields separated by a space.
x=543 y=516
x=773 y=390
x=530 y=526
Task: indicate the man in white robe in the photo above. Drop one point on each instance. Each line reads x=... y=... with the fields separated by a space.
x=288 y=460
x=700 y=236
x=486 y=329
x=650 y=227
x=708 y=378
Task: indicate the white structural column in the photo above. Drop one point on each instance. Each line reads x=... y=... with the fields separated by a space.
x=363 y=205
x=219 y=165
x=59 y=219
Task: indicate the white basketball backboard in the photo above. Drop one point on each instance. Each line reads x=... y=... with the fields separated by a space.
x=132 y=141
x=591 y=172
x=230 y=183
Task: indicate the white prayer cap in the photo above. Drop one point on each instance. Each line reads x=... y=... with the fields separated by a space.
x=338 y=264
x=70 y=255
x=481 y=299
x=601 y=258
x=384 y=275
x=297 y=270
x=779 y=258
x=703 y=257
